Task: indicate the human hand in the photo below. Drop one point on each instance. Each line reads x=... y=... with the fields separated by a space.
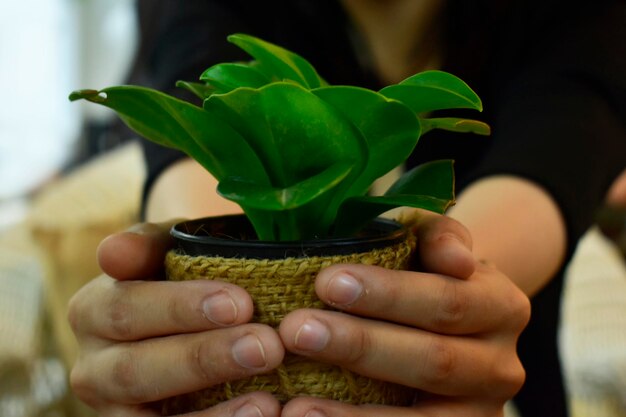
x=450 y=333
x=143 y=340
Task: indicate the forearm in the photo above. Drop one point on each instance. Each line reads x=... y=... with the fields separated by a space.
x=186 y=190
x=516 y=225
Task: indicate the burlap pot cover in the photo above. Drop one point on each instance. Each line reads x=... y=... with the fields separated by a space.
x=277 y=287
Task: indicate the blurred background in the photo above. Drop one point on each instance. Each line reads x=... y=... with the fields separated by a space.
x=47 y=49
x=67 y=181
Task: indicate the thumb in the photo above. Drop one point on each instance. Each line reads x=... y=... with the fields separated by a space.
x=444 y=246
x=137 y=253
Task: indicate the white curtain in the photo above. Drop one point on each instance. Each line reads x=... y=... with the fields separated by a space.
x=47 y=49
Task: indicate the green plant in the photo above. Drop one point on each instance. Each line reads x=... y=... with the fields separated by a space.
x=299 y=155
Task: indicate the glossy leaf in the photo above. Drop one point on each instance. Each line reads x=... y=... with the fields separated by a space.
x=358 y=211
x=296 y=212
x=455 y=125
x=174 y=123
x=296 y=155
x=228 y=76
x=294 y=133
x=200 y=90
x=390 y=129
x=263 y=197
x=435 y=178
x=433 y=90
x=278 y=63
x=429 y=186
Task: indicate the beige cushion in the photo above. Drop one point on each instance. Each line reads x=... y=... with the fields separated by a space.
x=69 y=219
x=593 y=332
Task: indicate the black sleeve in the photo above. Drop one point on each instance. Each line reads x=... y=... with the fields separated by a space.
x=558 y=109
x=562 y=122
x=556 y=99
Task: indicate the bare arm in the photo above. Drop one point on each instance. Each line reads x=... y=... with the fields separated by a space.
x=616 y=197
x=516 y=225
x=186 y=190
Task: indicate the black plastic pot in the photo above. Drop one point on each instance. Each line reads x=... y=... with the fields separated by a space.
x=232 y=236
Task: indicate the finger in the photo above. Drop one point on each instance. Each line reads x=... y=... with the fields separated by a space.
x=439 y=407
x=258 y=404
x=445 y=365
x=136 y=253
x=154 y=369
x=315 y=407
x=485 y=302
x=443 y=244
x=115 y=410
x=135 y=310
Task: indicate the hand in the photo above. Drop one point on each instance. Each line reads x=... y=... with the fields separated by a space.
x=143 y=340
x=451 y=334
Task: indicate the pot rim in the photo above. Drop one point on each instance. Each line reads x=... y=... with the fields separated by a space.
x=213 y=240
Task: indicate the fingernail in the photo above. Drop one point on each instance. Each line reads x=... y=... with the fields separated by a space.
x=220 y=308
x=144 y=229
x=456 y=242
x=312 y=336
x=249 y=353
x=248 y=410
x=344 y=289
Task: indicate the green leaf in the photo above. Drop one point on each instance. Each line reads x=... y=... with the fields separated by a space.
x=296 y=155
x=294 y=133
x=433 y=90
x=201 y=90
x=174 y=123
x=455 y=125
x=356 y=212
x=286 y=214
x=429 y=186
x=248 y=193
x=277 y=62
x=435 y=178
x=390 y=128
x=228 y=76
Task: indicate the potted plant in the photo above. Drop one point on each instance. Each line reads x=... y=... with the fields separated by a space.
x=299 y=156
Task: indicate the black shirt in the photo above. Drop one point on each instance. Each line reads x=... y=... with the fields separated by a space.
x=551 y=74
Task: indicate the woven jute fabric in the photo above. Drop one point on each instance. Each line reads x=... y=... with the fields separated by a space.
x=278 y=287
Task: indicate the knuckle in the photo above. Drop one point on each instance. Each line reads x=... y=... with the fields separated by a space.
x=441 y=362
x=119 y=319
x=391 y=295
x=176 y=313
x=125 y=377
x=201 y=363
x=453 y=307
x=360 y=347
x=524 y=311
x=508 y=379
x=74 y=313
x=80 y=308
x=82 y=386
x=518 y=310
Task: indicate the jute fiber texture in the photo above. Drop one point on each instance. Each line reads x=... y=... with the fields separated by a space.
x=278 y=287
